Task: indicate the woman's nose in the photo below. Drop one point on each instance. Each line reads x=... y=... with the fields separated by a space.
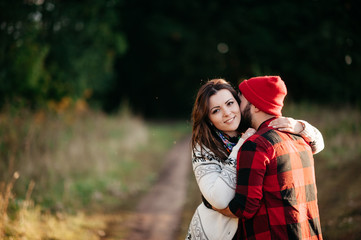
x=226 y=112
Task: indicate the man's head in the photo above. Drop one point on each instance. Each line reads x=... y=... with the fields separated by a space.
x=265 y=93
x=246 y=116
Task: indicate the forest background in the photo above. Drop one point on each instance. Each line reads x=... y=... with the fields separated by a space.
x=154 y=55
x=68 y=67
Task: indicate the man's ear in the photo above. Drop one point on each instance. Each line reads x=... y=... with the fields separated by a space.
x=255 y=109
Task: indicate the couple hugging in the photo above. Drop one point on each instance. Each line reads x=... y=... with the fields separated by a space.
x=254 y=168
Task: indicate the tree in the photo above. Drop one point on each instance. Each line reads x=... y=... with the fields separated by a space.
x=54 y=49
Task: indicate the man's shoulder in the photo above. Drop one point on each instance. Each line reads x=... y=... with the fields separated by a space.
x=268 y=135
x=262 y=139
x=275 y=137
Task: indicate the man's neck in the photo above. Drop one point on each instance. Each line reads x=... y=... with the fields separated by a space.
x=259 y=118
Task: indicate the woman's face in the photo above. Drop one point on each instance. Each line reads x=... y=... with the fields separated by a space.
x=224 y=112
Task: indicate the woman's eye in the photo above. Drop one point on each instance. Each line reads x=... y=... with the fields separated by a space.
x=230 y=103
x=215 y=111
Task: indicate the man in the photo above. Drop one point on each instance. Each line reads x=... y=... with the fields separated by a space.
x=276 y=196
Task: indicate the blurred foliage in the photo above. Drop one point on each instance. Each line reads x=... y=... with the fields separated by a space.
x=155 y=54
x=52 y=49
x=313 y=45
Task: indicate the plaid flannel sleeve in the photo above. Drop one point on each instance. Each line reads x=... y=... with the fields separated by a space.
x=252 y=161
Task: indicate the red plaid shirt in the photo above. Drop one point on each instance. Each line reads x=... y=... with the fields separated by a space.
x=276 y=195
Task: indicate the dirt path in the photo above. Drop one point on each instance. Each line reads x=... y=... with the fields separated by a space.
x=158 y=214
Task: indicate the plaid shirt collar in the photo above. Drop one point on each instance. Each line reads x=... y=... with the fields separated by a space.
x=265 y=123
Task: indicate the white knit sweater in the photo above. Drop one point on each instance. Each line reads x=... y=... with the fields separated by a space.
x=217 y=183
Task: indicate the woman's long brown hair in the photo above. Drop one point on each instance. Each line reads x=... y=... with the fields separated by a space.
x=203 y=132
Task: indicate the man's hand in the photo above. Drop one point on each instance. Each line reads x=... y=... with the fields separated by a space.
x=226 y=212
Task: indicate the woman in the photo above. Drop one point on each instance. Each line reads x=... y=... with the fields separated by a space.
x=216 y=139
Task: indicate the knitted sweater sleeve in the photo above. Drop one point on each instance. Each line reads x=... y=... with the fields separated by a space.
x=313 y=136
x=216 y=180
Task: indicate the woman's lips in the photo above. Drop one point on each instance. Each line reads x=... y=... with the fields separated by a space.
x=230 y=120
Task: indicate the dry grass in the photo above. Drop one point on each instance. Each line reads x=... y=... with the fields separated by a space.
x=32 y=223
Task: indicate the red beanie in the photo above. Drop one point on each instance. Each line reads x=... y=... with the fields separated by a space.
x=266 y=93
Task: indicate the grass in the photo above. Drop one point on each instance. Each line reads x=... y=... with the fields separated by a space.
x=338 y=169
x=32 y=223
x=76 y=164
